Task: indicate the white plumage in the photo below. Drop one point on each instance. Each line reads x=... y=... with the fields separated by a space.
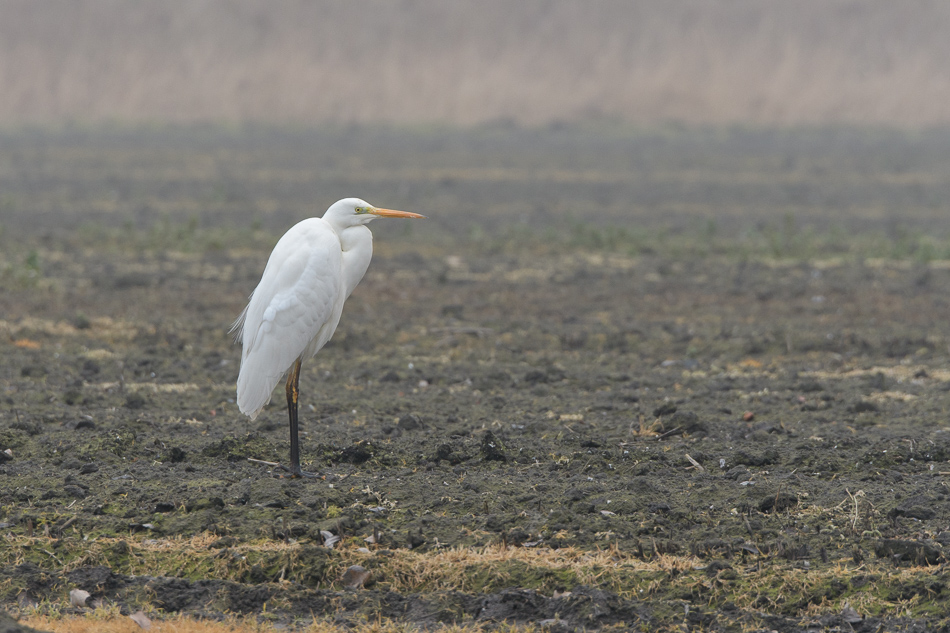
x=293 y=312
x=296 y=307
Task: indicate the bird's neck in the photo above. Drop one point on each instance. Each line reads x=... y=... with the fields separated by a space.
x=357 y=243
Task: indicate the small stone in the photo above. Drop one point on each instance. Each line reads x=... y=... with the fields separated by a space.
x=356 y=453
x=917 y=507
x=78 y=597
x=174 y=455
x=687 y=422
x=850 y=615
x=82 y=423
x=357 y=576
x=492 y=449
x=329 y=539
x=410 y=422
x=141 y=619
x=908 y=551
x=77 y=491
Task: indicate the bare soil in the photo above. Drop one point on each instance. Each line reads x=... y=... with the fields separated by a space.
x=757 y=416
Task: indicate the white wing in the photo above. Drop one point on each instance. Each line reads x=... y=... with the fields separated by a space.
x=293 y=312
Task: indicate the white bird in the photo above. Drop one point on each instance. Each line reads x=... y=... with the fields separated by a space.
x=296 y=307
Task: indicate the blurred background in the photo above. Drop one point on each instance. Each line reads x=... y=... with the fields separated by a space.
x=533 y=62
x=788 y=128
x=740 y=208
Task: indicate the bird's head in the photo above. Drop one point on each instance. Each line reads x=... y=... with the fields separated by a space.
x=353 y=211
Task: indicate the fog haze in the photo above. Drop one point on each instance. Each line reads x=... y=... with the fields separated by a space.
x=534 y=62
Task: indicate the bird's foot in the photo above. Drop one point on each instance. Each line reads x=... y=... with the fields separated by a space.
x=293 y=473
x=296 y=473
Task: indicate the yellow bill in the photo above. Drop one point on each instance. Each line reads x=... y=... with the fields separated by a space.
x=392 y=213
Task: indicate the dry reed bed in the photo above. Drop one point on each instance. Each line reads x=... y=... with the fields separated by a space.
x=533 y=62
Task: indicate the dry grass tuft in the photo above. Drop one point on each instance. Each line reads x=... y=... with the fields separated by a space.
x=115 y=623
x=762 y=582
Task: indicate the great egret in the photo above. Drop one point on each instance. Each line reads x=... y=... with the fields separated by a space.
x=296 y=307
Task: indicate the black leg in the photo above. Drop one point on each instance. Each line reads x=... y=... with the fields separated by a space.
x=293 y=382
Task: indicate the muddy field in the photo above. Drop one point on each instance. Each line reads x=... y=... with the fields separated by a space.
x=667 y=381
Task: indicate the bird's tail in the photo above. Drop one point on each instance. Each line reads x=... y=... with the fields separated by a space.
x=254 y=387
